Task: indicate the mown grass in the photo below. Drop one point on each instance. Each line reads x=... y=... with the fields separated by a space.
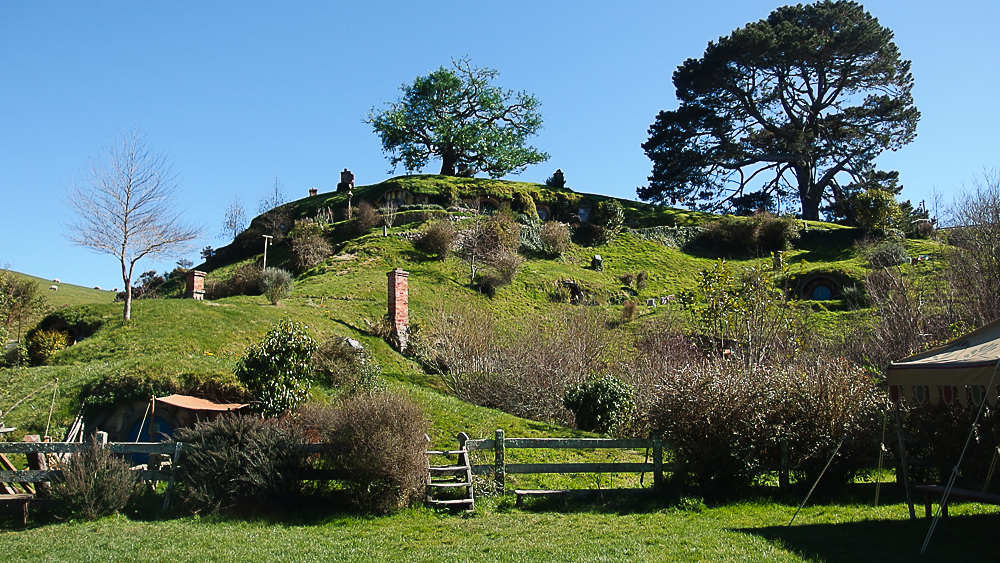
x=543 y=531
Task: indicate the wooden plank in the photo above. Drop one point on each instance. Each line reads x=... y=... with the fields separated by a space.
x=473 y=445
x=57 y=475
x=578 y=443
x=30 y=476
x=66 y=447
x=529 y=468
x=482 y=469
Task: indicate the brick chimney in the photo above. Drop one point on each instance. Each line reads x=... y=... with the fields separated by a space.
x=195 y=285
x=399 y=308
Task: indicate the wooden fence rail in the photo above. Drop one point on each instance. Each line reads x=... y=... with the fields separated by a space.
x=500 y=468
x=162 y=448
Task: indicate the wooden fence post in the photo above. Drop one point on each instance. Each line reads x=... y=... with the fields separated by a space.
x=785 y=466
x=657 y=462
x=463 y=459
x=499 y=462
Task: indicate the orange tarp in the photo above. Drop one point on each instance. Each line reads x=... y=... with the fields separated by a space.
x=196 y=404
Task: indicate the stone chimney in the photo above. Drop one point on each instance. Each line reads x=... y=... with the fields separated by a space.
x=195 y=285
x=313 y=191
x=399 y=307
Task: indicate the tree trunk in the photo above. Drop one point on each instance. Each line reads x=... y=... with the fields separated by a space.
x=808 y=195
x=127 y=280
x=448 y=162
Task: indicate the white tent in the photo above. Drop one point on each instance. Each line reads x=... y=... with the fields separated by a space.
x=957 y=370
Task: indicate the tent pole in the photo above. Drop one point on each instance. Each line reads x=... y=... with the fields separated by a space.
x=904 y=466
x=954 y=471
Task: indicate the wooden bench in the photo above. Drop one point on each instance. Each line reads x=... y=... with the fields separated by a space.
x=961 y=494
x=521 y=493
x=23 y=500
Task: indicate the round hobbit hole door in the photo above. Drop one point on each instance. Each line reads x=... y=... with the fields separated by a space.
x=162 y=431
x=822 y=293
x=543 y=214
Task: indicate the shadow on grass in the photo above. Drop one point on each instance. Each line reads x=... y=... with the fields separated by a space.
x=957 y=538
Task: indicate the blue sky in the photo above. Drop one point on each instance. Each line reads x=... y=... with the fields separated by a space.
x=236 y=93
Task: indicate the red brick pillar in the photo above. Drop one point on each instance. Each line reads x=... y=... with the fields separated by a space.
x=399 y=308
x=195 y=285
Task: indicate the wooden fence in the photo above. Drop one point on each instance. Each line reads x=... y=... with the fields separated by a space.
x=500 y=468
x=34 y=474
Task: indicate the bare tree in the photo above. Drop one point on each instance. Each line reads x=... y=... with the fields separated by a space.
x=271 y=199
x=235 y=219
x=124 y=207
x=388 y=212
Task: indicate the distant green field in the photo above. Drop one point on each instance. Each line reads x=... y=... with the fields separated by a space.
x=69 y=294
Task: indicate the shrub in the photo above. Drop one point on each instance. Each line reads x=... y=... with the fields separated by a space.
x=629 y=309
x=239 y=459
x=378 y=443
x=523 y=203
x=365 y=217
x=600 y=404
x=244 y=280
x=309 y=246
x=347 y=367
x=729 y=423
x=276 y=284
x=140 y=383
x=43 y=343
x=886 y=255
x=436 y=238
x=611 y=215
x=524 y=371
x=276 y=371
x=554 y=238
x=96 y=482
x=759 y=235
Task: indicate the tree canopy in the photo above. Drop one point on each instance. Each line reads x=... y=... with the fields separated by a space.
x=457 y=115
x=799 y=104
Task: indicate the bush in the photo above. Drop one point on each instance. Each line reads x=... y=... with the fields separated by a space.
x=611 y=215
x=141 y=383
x=378 y=443
x=554 y=238
x=276 y=371
x=524 y=203
x=728 y=423
x=365 y=217
x=757 y=235
x=525 y=371
x=96 y=482
x=629 y=309
x=244 y=280
x=309 y=246
x=239 y=459
x=347 y=368
x=276 y=284
x=600 y=404
x=43 y=343
x=886 y=255
x=436 y=238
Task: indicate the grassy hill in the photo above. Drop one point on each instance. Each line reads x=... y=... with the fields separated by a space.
x=193 y=342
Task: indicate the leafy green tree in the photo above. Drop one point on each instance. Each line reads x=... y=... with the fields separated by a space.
x=796 y=104
x=746 y=312
x=458 y=116
x=276 y=371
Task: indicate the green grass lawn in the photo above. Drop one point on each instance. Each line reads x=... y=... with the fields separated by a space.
x=543 y=531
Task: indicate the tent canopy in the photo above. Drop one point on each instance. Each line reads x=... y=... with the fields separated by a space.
x=196 y=404
x=966 y=363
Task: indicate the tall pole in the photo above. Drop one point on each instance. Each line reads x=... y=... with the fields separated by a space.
x=267 y=242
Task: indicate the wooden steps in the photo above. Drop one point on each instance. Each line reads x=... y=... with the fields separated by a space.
x=450 y=485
